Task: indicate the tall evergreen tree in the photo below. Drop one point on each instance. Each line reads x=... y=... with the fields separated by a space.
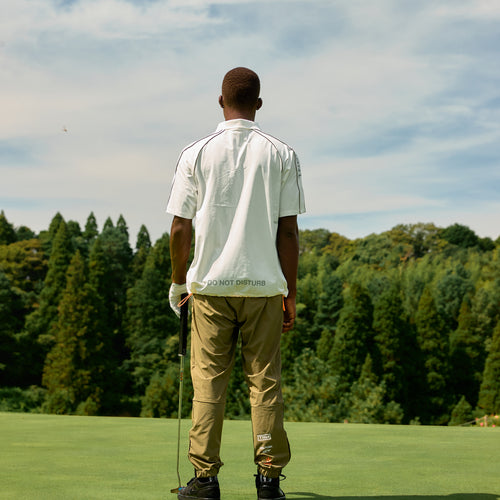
x=150 y=323
x=40 y=323
x=109 y=264
x=391 y=331
x=76 y=371
x=7 y=232
x=47 y=237
x=353 y=337
x=489 y=394
x=109 y=267
x=312 y=393
x=91 y=230
x=143 y=238
x=330 y=302
x=121 y=225
x=108 y=224
x=465 y=349
x=11 y=307
x=366 y=400
x=143 y=248
x=329 y=296
x=432 y=339
x=450 y=291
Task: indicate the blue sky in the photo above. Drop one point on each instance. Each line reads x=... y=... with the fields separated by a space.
x=393 y=106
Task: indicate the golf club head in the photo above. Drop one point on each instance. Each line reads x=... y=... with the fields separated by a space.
x=176 y=490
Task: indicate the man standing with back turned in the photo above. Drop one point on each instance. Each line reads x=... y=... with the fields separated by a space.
x=244 y=188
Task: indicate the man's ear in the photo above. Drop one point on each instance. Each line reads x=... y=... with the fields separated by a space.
x=221 y=101
x=259 y=103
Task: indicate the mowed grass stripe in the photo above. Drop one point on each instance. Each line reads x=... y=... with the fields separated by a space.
x=68 y=457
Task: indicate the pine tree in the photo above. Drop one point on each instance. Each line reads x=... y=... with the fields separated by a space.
x=353 y=337
x=7 y=232
x=296 y=340
x=11 y=308
x=367 y=400
x=109 y=267
x=108 y=224
x=329 y=295
x=143 y=248
x=121 y=225
x=312 y=394
x=330 y=302
x=143 y=239
x=465 y=348
x=109 y=263
x=75 y=371
x=390 y=334
x=150 y=322
x=47 y=237
x=489 y=394
x=450 y=292
x=39 y=328
x=434 y=347
x=91 y=229
x=461 y=413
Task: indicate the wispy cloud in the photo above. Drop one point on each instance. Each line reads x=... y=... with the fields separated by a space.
x=392 y=106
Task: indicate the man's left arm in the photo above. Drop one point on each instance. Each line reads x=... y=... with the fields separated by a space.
x=287 y=244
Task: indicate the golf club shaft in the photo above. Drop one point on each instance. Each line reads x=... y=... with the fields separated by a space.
x=179 y=412
x=183 y=332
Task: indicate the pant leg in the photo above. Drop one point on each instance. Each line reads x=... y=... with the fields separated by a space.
x=261 y=321
x=214 y=335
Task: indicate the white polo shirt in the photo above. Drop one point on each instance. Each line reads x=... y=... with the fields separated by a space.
x=236 y=183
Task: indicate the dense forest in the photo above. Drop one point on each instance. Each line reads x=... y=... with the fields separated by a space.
x=398 y=327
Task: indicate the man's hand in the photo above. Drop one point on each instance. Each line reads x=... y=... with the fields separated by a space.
x=289 y=314
x=174 y=297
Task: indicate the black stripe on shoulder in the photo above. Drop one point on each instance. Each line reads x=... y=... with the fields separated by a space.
x=208 y=139
x=266 y=137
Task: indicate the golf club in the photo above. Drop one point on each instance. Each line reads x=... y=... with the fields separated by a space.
x=183 y=333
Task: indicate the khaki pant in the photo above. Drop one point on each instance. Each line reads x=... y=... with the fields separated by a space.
x=216 y=323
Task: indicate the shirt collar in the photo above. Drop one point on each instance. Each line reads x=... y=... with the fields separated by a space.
x=237 y=123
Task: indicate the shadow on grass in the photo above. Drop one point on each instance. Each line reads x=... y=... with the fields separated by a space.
x=300 y=495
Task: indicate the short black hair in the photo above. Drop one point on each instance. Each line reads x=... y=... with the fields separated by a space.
x=241 y=88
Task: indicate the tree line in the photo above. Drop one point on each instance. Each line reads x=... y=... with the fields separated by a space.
x=397 y=327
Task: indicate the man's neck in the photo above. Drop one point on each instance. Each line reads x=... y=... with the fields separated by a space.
x=235 y=114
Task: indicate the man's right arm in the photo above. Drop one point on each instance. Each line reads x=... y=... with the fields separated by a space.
x=180 y=247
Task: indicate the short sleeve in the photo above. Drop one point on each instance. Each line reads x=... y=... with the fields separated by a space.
x=183 y=194
x=292 y=193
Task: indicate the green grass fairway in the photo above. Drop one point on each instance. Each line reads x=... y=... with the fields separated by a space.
x=65 y=457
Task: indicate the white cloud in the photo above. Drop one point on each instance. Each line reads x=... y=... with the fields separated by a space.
x=373 y=100
x=98 y=19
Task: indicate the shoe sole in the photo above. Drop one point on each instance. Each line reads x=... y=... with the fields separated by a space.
x=184 y=497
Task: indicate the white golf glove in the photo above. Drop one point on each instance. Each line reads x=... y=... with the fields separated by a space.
x=174 y=297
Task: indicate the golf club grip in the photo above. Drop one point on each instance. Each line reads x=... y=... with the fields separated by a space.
x=183 y=332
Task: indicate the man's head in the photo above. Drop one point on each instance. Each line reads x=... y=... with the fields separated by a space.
x=240 y=94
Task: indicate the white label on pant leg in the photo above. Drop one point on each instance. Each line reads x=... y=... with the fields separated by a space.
x=263 y=437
